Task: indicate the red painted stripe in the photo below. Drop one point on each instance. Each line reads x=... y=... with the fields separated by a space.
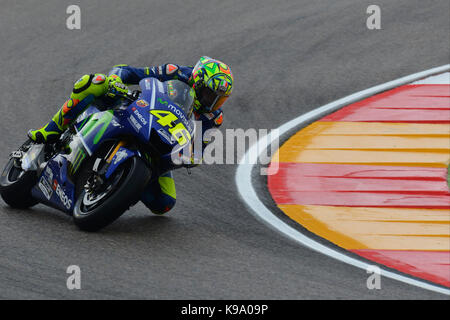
x=359 y=185
x=411 y=96
x=390 y=115
x=346 y=184
x=361 y=199
x=359 y=171
x=429 y=265
x=410 y=103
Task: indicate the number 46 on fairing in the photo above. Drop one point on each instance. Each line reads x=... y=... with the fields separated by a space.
x=178 y=131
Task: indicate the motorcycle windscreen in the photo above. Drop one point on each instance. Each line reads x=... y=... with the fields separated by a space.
x=181 y=94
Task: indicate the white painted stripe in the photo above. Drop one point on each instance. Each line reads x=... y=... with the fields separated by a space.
x=245 y=188
x=152 y=106
x=152 y=103
x=443 y=78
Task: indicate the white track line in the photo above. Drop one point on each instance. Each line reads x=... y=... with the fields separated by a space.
x=248 y=194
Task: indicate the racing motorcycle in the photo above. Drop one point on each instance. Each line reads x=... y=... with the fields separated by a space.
x=100 y=166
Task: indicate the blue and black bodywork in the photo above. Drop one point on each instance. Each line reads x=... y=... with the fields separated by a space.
x=156 y=126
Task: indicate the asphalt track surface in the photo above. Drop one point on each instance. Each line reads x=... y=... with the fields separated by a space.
x=288 y=57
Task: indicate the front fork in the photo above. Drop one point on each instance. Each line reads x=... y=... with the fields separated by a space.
x=110 y=157
x=101 y=166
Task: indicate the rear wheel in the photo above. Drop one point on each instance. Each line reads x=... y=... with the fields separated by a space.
x=98 y=207
x=16 y=184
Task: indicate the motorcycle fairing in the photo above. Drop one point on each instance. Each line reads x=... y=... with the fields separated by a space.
x=54 y=188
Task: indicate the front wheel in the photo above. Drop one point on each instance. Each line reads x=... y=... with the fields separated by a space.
x=97 y=209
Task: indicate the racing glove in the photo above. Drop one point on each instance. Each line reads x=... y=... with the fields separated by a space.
x=116 y=86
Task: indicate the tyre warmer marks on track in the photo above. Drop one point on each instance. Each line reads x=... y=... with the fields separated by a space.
x=372 y=178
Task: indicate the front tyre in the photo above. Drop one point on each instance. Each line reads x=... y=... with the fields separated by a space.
x=95 y=210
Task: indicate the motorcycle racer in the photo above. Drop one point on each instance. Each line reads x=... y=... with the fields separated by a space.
x=211 y=79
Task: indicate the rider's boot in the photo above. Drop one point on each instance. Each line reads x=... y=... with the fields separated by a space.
x=58 y=124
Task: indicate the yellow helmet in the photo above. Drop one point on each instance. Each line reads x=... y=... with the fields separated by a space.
x=212 y=83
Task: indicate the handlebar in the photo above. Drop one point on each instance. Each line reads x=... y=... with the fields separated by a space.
x=130 y=95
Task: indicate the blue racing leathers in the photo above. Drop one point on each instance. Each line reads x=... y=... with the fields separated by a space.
x=160 y=195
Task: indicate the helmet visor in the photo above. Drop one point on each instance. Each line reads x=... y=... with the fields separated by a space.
x=209 y=99
x=219 y=102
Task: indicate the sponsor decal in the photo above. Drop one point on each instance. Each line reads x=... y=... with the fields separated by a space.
x=61 y=195
x=166 y=136
x=134 y=123
x=180 y=114
x=119 y=156
x=142 y=103
x=140 y=117
x=45 y=187
x=78 y=160
x=163 y=101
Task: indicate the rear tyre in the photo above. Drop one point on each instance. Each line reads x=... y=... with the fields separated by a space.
x=95 y=210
